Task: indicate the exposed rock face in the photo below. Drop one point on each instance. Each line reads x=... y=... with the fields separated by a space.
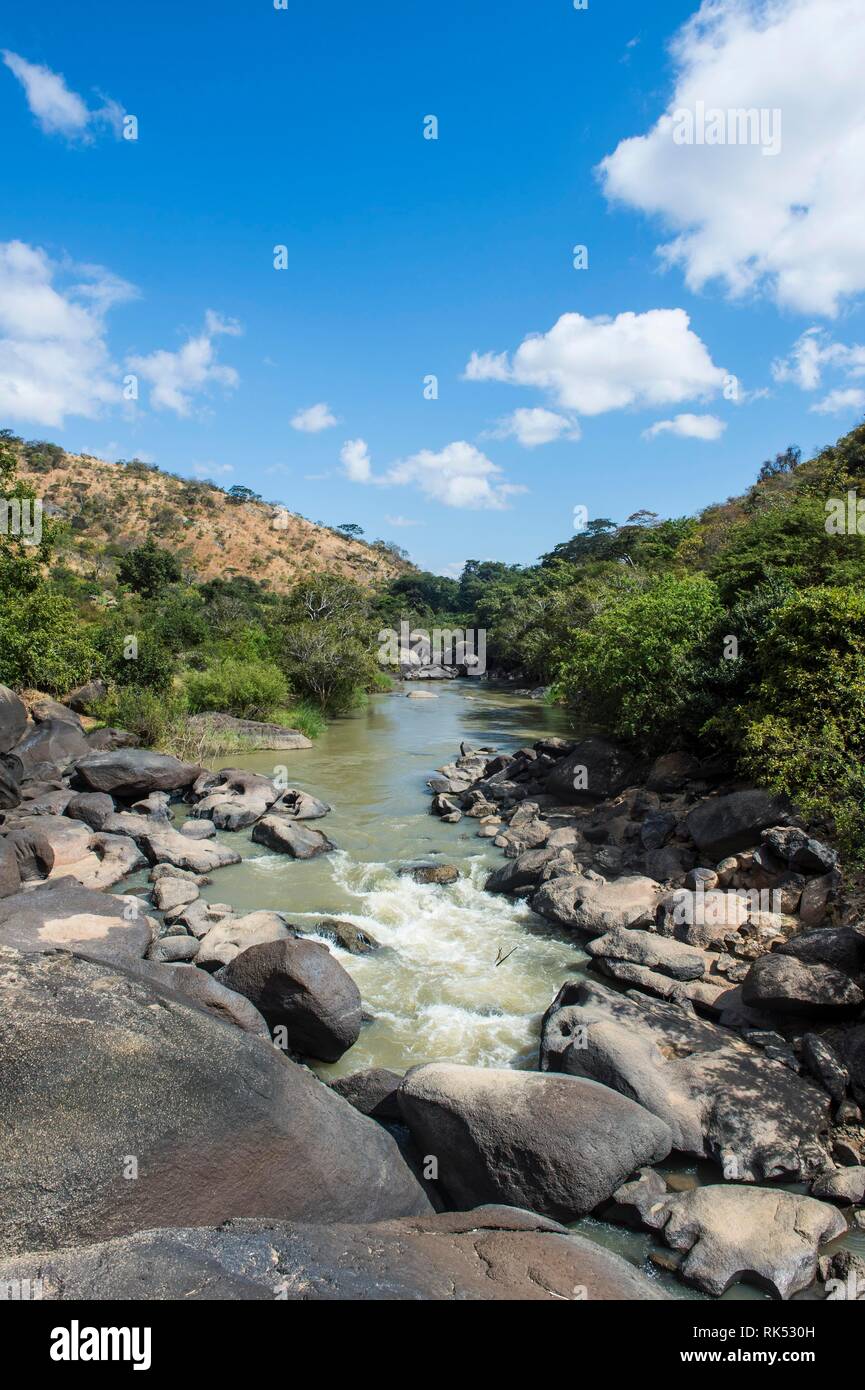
x=63 y=916
x=434 y=873
x=550 y=1143
x=218 y=1122
x=495 y=1253
x=13 y=718
x=133 y=772
x=234 y=798
x=40 y=710
x=645 y=948
x=721 y=1097
x=786 y=984
x=287 y=837
x=595 y=906
x=845 y=1185
x=722 y=825
x=347 y=935
x=841 y=947
x=299 y=986
x=594 y=770
x=672 y=772
x=10 y=874
x=85 y=696
x=372 y=1092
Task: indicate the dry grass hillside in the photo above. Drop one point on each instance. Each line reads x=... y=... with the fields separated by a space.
x=111 y=507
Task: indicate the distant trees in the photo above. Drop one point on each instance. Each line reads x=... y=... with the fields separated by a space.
x=350 y=528
x=148 y=569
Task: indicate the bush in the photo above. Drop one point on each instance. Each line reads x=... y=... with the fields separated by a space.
x=43 y=644
x=247 y=689
x=151 y=667
x=629 y=670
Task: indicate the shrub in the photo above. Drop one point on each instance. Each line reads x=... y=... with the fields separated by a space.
x=247 y=689
x=42 y=643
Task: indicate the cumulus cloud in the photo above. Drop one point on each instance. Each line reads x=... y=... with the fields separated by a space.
x=849 y=398
x=790 y=224
x=314 y=419
x=58 y=110
x=457 y=476
x=176 y=378
x=534 y=426
x=707 y=427
x=592 y=365
x=54 y=360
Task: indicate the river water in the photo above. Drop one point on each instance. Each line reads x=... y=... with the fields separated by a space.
x=434 y=989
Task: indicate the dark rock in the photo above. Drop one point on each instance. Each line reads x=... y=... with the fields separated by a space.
x=786 y=984
x=196 y=989
x=488 y=1255
x=372 y=1092
x=287 y=837
x=93 y=808
x=824 y=1064
x=841 y=947
x=657 y=829
x=721 y=825
x=672 y=772
x=63 y=916
x=10 y=874
x=108 y=740
x=300 y=987
x=13 y=719
x=594 y=770
x=41 y=710
x=84 y=697
x=345 y=934
x=845 y=1186
x=433 y=873
x=522 y=872
x=218 y=1122
x=133 y=772
x=550 y=1143
x=51 y=747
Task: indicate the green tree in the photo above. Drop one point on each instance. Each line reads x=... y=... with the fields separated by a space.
x=148 y=569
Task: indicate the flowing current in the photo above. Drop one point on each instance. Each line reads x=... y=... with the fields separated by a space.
x=434 y=989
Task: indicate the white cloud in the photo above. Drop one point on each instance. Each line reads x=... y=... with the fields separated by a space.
x=850 y=398
x=791 y=223
x=600 y=364
x=813 y=354
x=402 y=521
x=58 y=110
x=176 y=377
x=707 y=427
x=315 y=419
x=532 y=427
x=54 y=360
x=457 y=476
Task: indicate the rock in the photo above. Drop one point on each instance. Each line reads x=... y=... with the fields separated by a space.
x=721 y=1097
x=10 y=873
x=93 y=808
x=226 y=939
x=845 y=1185
x=162 y=844
x=40 y=710
x=346 y=935
x=48 y=749
x=287 y=837
x=815 y=899
x=160 y=871
x=219 y=1123
x=421 y=695
x=301 y=806
x=63 y=916
x=841 y=947
x=84 y=697
x=528 y=834
x=197 y=990
x=10 y=791
x=372 y=1092
x=107 y=740
x=301 y=988
x=788 y=985
x=854 y=1059
x=198 y=829
x=170 y=893
x=523 y=872
x=799 y=850
x=156 y=806
x=768 y=1237
x=656 y=829
x=672 y=772
x=553 y=1144
x=234 y=798
x=592 y=905
x=13 y=719
x=169 y=949
x=133 y=772
x=595 y=770
x=662 y=953
x=489 y=1255
x=256 y=735
x=825 y=1066
x=433 y=873
x=721 y=825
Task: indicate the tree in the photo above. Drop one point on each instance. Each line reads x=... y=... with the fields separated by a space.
x=242 y=494
x=148 y=569
x=350 y=528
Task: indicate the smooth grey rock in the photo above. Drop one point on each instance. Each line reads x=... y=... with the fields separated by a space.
x=133 y=772
x=234 y=798
x=647 y=948
x=721 y=825
x=227 y=938
x=372 y=1092
x=64 y=916
x=595 y=906
x=288 y=837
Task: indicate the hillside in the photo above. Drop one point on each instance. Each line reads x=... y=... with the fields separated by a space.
x=111 y=507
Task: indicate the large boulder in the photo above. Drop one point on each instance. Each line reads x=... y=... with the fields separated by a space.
x=64 y=916
x=300 y=987
x=93 y=808
x=84 y=697
x=10 y=873
x=301 y=805
x=133 y=772
x=233 y=798
x=647 y=949
x=721 y=1097
x=225 y=939
x=122 y=1108
x=48 y=749
x=841 y=947
x=52 y=846
x=786 y=984
x=253 y=734
x=283 y=834
x=591 y=904
x=373 y=1092
x=13 y=718
x=162 y=844
x=490 y=1255
x=41 y=710
x=722 y=825
x=554 y=1144
x=108 y=740
x=10 y=790
x=199 y=990
x=595 y=770
x=523 y=872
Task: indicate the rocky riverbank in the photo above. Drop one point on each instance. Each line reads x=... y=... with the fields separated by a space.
x=161 y=1041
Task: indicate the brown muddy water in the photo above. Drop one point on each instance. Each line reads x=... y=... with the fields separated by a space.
x=434 y=989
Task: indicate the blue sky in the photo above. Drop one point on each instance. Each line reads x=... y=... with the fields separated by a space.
x=304 y=127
